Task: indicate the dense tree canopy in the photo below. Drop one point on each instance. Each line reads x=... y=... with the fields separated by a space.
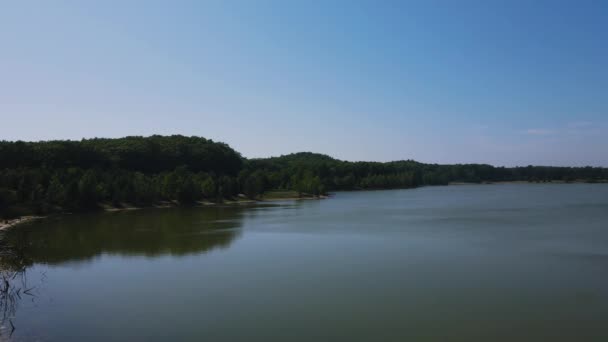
x=334 y=174
x=144 y=154
x=41 y=177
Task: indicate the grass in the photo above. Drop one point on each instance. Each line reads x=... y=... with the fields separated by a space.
x=280 y=194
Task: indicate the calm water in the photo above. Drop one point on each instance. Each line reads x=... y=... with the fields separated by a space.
x=457 y=263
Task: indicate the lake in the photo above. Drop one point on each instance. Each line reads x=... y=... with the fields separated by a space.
x=504 y=262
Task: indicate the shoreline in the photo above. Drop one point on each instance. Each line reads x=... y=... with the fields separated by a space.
x=9 y=223
x=577 y=181
x=202 y=204
x=105 y=207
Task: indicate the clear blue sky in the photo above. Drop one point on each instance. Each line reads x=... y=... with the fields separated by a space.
x=499 y=82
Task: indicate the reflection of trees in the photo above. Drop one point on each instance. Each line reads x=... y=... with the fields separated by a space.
x=13 y=284
x=141 y=232
x=76 y=238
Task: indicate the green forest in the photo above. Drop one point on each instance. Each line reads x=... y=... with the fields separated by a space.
x=63 y=175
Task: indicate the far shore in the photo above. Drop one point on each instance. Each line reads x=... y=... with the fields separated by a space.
x=577 y=181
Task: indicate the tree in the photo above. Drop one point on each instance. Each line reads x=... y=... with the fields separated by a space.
x=208 y=188
x=89 y=190
x=7 y=198
x=253 y=184
x=187 y=191
x=55 y=193
x=73 y=175
x=226 y=187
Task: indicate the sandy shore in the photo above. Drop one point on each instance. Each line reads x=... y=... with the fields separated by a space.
x=241 y=201
x=5 y=224
x=292 y=199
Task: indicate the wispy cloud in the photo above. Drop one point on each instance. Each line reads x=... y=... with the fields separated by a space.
x=540 y=131
x=579 y=124
x=584 y=128
x=575 y=128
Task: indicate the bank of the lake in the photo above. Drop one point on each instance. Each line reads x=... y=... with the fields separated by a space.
x=8 y=223
x=45 y=177
x=270 y=196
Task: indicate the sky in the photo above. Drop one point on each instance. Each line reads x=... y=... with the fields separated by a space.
x=498 y=82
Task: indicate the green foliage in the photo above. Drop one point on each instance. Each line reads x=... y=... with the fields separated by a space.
x=253 y=184
x=89 y=190
x=56 y=193
x=226 y=187
x=186 y=191
x=308 y=184
x=7 y=199
x=145 y=154
x=296 y=172
x=39 y=177
x=208 y=188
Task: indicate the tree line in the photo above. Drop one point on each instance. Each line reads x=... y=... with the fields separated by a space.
x=51 y=176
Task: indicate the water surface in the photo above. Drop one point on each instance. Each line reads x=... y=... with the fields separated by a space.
x=458 y=263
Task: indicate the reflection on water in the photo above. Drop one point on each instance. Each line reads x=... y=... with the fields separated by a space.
x=462 y=263
x=13 y=284
x=82 y=237
x=176 y=231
